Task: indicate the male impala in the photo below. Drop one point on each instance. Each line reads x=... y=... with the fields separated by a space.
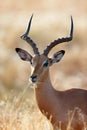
x=68 y=107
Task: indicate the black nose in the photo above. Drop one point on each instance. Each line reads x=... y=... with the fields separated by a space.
x=33 y=78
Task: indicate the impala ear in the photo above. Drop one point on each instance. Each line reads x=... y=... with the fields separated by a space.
x=24 y=55
x=57 y=56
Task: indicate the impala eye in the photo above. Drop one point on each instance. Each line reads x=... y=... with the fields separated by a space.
x=45 y=64
x=31 y=61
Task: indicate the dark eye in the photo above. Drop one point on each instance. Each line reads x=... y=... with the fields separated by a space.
x=31 y=61
x=45 y=64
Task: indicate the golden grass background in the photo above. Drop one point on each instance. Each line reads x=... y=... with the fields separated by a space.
x=51 y=20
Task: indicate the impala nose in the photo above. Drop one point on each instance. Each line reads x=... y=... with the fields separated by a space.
x=33 y=78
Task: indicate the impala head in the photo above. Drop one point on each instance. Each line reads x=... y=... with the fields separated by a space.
x=41 y=62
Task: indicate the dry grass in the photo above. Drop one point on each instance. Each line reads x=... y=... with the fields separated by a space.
x=22 y=114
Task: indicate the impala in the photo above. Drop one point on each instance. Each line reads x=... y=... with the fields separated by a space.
x=66 y=107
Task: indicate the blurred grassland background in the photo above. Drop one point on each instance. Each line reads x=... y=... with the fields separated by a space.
x=51 y=20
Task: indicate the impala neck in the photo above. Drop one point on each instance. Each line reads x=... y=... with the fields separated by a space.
x=44 y=92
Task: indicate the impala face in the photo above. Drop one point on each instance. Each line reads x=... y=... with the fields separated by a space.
x=40 y=62
x=40 y=65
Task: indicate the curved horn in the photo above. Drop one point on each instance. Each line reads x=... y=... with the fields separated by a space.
x=59 y=40
x=28 y=39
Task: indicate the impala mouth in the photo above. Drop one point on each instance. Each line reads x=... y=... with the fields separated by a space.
x=33 y=79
